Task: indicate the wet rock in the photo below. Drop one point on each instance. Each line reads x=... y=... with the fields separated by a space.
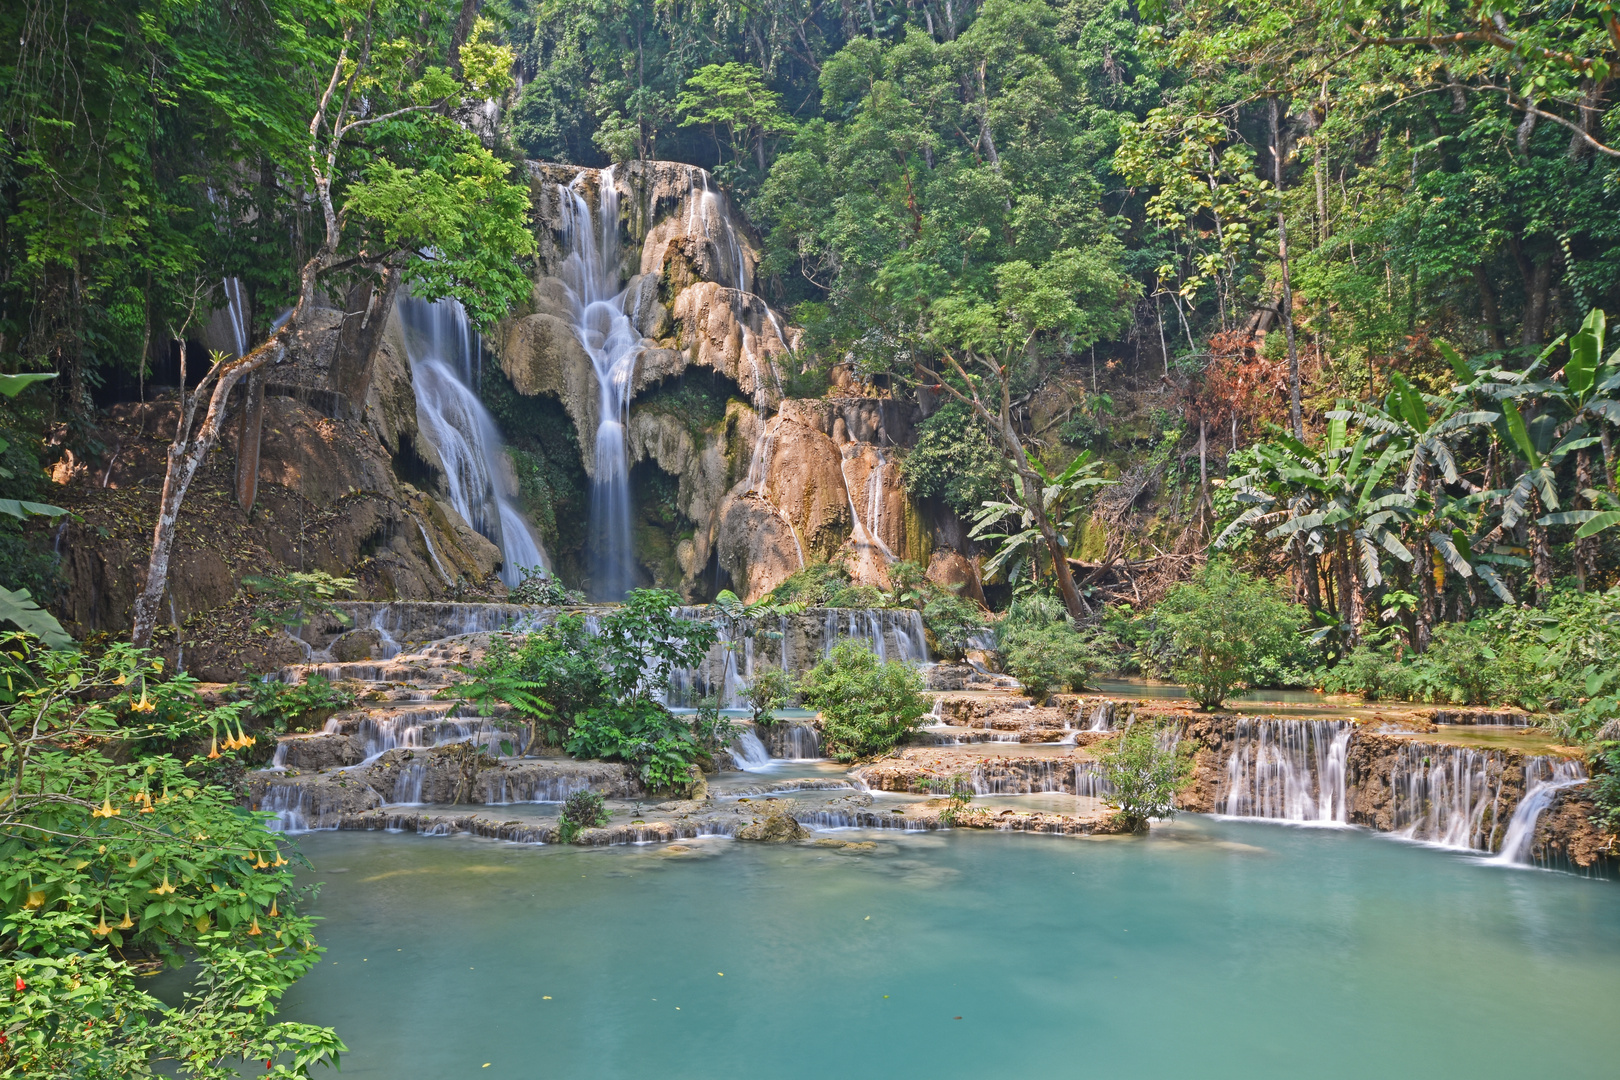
x=777 y=826
x=356 y=645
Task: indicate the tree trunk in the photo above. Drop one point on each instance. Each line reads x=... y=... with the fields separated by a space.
x=250 y=428
x=1586 y=551
x=1287 y=303
x=1488 y=308
x=186 y=454
x=365 y=319
x=1540 y=559
x=1426 y=569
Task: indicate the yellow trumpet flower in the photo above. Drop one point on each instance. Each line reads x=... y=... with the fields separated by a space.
x=261 y=864
x=101 y=929
x=165 y=888
x=121 y=680
x=143 y=705
x=128 y=922
x=254 y=930
x=36 y=899
x=273 y=912
x=106 y=809
x=132 y=862
x=213 y=748
x=279 y=860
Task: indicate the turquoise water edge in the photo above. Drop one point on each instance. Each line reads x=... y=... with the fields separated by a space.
x=1211 y=948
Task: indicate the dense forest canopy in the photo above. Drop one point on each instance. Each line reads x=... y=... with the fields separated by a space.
x=1272 y=209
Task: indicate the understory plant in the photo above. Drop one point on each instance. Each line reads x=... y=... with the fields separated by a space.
x=582 y=810
x=1147 y=768
x=1045 y=650
x=117 y=858
x=547 y=678
x=958 y=792
x=640 y=732
x=866 y=706
x=294 y=599
x=769 y=689
x=1211 y=630
x=280 y=706
x=541 y=589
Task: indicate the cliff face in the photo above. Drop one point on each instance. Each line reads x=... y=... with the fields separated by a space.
x=772 y=482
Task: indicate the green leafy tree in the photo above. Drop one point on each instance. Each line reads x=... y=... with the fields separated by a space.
x=1146 y=774
x=1217 y=623
x=866 y=707
x=733 y=97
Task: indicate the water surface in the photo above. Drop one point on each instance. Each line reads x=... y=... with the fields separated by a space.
x=1211 y=949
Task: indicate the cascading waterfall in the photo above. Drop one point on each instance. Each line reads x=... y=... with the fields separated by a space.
x=236 y=311
x=444 y=352
x=1287 y=770
x=591 y=272
x=1445 y=795
x=1544 y=778
x=749 y=753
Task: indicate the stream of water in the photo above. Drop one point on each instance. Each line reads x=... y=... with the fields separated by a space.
x=444 y=353
x=1210 y=949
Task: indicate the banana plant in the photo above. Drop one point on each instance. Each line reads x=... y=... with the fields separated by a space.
x=18 y=607
x=1062 y=496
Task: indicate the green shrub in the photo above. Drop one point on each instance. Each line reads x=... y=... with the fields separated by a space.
x=115 y=855
x=548 y=678
x=295 y=599
x=640 y=732
x=1146 y=775
x=1605 y=786
x=858 y=596
x=955 y=462
x=1042 y=649
x=1215 y=626
x=952 y=621
x=866 y=707
x=958 y=791
x=280 y=706
x=770 y=689
x=1056 y=656
x=813 y=586
x=583 y=810
x=537 y=587
x=1371 y=671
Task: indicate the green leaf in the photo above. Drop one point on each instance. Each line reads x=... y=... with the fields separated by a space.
x=12 y=385
x=19 y=608
x=19 y=508
x=1599 y=522
x=1516 y=431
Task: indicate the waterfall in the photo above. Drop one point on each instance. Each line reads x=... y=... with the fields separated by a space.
x=1102 y=717
x=444 y=351
x=749 y=753
x=1544 y=778
x=1287 y=770
x=591 y=272
x=1444 y=794
x=236 y=311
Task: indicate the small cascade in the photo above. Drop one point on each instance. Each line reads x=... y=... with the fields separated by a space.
x=1446 y=795
x=789 y=741
x=872 y=553
x=236 y=313
x=1103 y=716
x=749 y=753
x=1544 y=778
x=422 y=729
x=1287 y=770
x=1089 y=780
x=892 y=633
x=444 y=352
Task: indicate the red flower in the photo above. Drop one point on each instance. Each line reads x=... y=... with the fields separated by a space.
x=21 y=986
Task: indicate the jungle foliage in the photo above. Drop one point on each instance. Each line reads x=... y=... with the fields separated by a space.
x=120 y=856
